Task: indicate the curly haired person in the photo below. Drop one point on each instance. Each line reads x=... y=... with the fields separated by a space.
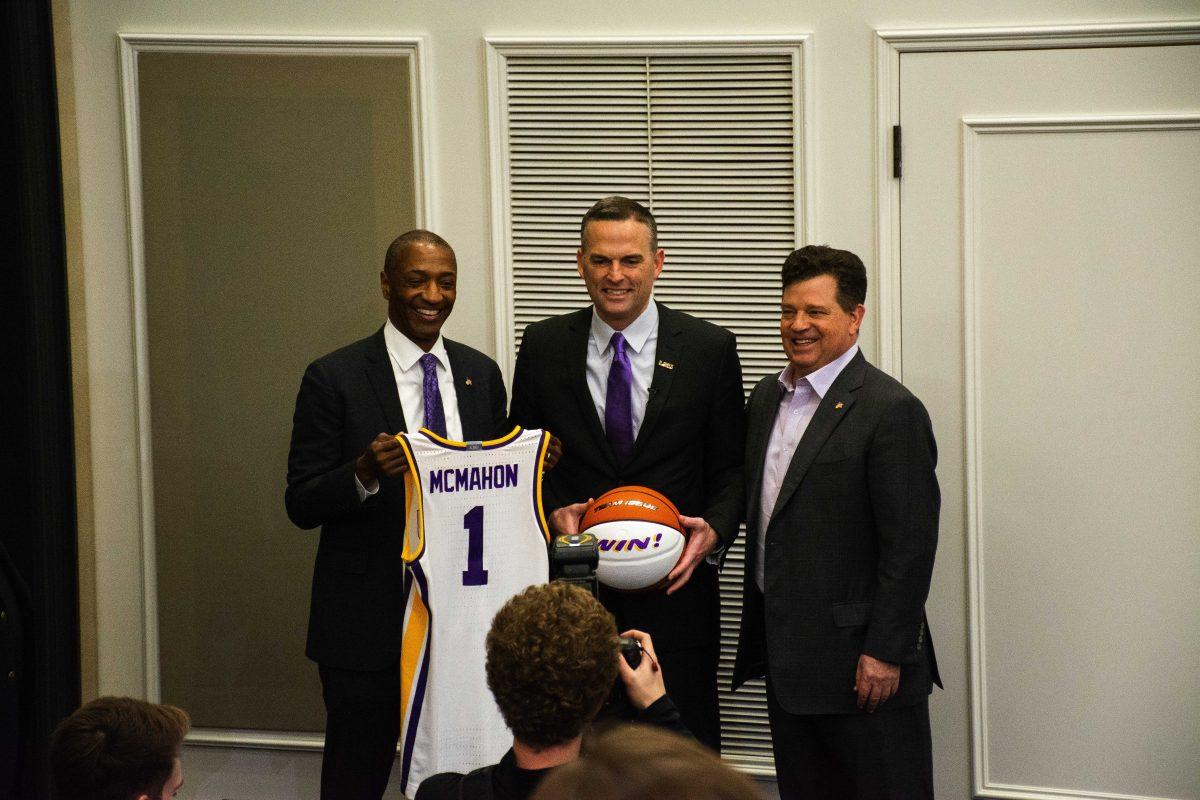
x=552 y=660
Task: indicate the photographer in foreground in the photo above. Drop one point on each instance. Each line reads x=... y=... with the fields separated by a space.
x=552 y=661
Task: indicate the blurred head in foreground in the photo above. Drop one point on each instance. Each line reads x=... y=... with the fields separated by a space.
x=635 y=762
x=118 y=748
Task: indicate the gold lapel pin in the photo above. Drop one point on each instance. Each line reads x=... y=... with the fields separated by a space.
x=468 y=382
x=666 y=365
x=839 y=405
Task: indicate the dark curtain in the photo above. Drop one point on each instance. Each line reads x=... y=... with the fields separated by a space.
x=39 y=604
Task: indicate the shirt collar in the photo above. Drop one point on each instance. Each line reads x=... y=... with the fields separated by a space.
x=405 y=352
x=635 y=334
x=822 y=379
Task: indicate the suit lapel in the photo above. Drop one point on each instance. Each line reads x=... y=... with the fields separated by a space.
x=383 y=381
x=831 y=411
x=576 y=351
x=668 y=353
x=466 y=389
x=761 y=420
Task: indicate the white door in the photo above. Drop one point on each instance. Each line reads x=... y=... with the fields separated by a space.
x=1050 y=299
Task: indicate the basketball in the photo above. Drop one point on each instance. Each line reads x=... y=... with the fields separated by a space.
x=640 y=537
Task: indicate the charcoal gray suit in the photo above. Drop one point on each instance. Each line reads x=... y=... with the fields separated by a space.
x=849 y=557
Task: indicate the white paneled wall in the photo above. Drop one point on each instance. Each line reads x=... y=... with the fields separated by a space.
x=839 y=172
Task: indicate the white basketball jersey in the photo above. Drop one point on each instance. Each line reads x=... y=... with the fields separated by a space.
x=474 y=537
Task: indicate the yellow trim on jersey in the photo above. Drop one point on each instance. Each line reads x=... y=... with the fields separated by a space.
x=412 y=494
x=457 y=445
x=412 y=645
x=541 y=466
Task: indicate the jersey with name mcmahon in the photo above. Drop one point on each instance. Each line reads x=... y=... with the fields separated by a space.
x=475 y=535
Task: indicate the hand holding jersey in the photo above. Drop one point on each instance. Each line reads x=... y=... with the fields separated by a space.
x=383 y=458
x=346 y=400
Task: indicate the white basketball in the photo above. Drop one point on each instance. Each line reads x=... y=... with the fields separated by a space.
x=636 y=554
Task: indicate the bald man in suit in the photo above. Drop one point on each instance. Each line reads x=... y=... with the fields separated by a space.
x=345 y=475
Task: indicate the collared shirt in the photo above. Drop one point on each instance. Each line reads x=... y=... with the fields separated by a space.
x=641 y=345
x=405 y=357
x=796 y=408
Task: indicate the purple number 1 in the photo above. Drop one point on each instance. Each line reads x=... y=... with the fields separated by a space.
x=474 y=574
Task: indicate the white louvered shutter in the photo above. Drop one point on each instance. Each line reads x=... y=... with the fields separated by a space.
x=709 y=141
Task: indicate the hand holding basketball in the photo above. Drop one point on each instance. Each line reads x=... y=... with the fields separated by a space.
x=565 y=520
x=640 y=537
x=701 y=540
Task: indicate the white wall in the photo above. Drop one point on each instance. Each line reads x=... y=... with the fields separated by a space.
x=843 y=140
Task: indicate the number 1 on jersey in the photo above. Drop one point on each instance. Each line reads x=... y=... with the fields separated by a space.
x=474 y=574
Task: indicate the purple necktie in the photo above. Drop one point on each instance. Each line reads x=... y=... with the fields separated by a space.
x=435 y=417
x=618 y=406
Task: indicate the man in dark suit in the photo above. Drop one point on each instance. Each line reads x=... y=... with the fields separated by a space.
x=344 y=473
x=841 y=532
x=645 y=395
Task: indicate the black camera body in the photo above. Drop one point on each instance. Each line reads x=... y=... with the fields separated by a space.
x=631 y=651
x=573 y=559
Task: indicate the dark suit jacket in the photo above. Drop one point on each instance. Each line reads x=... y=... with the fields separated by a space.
x=851 y=545
x=19 y=748
x=347 y=398
x=688 y=447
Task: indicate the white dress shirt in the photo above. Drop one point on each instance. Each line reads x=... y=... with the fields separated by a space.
x=796 y=408
x=641 y=345
x=405 y=356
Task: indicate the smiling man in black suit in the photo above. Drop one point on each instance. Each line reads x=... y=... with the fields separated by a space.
x=841 y=532
x=642 y=394
x=343 y=475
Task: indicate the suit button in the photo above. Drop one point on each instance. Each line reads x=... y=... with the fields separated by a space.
x=12 y=676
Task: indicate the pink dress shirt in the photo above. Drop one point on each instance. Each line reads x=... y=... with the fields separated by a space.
x=796 y=408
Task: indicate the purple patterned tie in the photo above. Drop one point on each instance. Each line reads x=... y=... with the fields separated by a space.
x=435 y=417
x=618 y=406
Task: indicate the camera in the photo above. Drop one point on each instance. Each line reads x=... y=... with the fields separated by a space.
x=573 y=559
x=631 y=650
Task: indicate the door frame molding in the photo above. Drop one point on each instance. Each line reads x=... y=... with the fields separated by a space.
x=414 y=50
x=889 y=45
x=972 y=129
